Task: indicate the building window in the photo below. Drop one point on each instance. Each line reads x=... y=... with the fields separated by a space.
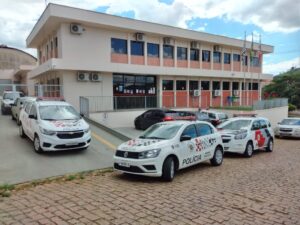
x=255 y=61
x=205 y=56
x=235 y=86
x=137 y=48
x=217 y=57
x=205 y=85
x=236 y=57
x=216 y=85
x=167 y=85
x=153 y=50
x=193 y=85
x=180 y=85
x=168 y=52
x=181 y=53
x=118 y=46
x=254 y=86
x=194 y=54
x=227 y=58
x=226 y=85
x=134 y=84
x=245 y=60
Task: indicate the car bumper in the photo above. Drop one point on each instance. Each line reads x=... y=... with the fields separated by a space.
x=294 y=133
x=236 y=146
x=6 y=108
x=53 y=143
x=145 y=167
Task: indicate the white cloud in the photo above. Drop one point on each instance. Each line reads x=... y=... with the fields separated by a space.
x=19 y=16
x=276 y=68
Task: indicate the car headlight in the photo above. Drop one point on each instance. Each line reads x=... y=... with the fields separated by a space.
x=149 y=154
x=240 y=136
x=47 y=132
x=86 y=130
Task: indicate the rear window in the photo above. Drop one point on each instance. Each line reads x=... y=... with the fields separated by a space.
x=212 y=116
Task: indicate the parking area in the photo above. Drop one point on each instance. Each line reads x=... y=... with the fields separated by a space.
x=19 y=162
x=263 y=189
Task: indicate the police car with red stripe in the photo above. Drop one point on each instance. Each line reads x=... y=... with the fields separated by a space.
x=167 y=147
x=245 y=134
x=53 y=124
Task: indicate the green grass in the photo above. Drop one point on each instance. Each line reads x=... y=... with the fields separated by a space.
x=7 y=187
x=238 y=108
x=71 y=177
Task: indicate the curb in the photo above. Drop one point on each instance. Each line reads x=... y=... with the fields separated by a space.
x=108 y=129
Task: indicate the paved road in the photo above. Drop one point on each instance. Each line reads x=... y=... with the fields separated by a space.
x=19 y=163
x=264 y=189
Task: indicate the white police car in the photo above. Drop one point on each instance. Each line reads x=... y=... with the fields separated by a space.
x=169 y=146
x=53 y=126
x=245 y=134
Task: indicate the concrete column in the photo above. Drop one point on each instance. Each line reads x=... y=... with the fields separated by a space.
x=211 y=92
x=222 y=59
x=240 y=91
x=129 y=48
x=145 y=53
x=200 y=89
x=188 y=92
x=211 y=57
x=200 y=56
x=188 y=56
x=161 y=52
x=175 y=54
x=231 y=61
x=175 y=91
x=221 y=89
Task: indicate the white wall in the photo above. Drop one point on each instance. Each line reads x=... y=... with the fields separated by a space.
x=72 y=88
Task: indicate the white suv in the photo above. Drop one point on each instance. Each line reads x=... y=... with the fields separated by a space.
x=53 y=126
x=246 y=134
x=169 y=146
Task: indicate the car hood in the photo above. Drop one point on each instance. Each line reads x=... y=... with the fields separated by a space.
x=64 y=125
x=232 y=132
x=139 y=144
x=8 y=101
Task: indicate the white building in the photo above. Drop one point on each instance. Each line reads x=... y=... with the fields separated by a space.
x=132 y=60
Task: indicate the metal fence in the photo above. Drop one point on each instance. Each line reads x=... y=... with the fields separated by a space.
x=270 y=103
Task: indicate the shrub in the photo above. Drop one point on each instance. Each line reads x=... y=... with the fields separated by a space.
x=292 y=107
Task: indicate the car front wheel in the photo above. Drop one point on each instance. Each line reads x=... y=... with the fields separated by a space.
x=168 y=172
x=21 y=131
x=270 y=145
x=249 y=150
x=218 y=157
x=37 y=144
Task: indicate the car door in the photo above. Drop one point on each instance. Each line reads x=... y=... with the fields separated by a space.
x=25 y=119
x=187 y=148
x=32 y=121
x=265 y=132
x=206 y=141
x=257 y=137
x=14 y=107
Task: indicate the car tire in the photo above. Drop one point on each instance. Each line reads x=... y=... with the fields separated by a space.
x=21 y=131
x=168 y=170
x=217 y=159
x=270 y=145
x=249 y=149
x=37 y=144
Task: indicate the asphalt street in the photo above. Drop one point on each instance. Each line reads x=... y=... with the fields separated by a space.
x=19 y=162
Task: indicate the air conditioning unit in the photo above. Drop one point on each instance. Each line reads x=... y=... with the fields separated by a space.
x=76 y=28
x=139 y=36
x=236 y=92
x=217 y=48
x=95 y=77
x=217 y=93
x=83 y=76
x=195 y=44
x=168 y=41
x=196 y=93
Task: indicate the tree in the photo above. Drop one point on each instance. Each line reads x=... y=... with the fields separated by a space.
x=285 y=85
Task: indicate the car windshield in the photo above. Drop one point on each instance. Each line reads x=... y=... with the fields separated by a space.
x=290 y=122
x=235 y=125
x=161 y=131
x=201 y=115
x=58 y=112
x=11 y=96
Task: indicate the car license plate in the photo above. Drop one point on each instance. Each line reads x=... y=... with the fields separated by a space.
x=125 y=164
x=285 y=134
x=69 y=144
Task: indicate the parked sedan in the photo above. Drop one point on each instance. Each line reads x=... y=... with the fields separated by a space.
x=215 y=117
x=153 y=116
x=289 y=127
x=17 y=106
x=167 y=147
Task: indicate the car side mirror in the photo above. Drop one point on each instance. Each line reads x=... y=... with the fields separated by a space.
x=81 y=114
x=32 y=117
x=185 y=138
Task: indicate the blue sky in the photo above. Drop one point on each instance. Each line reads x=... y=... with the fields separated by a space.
x=278 y=21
